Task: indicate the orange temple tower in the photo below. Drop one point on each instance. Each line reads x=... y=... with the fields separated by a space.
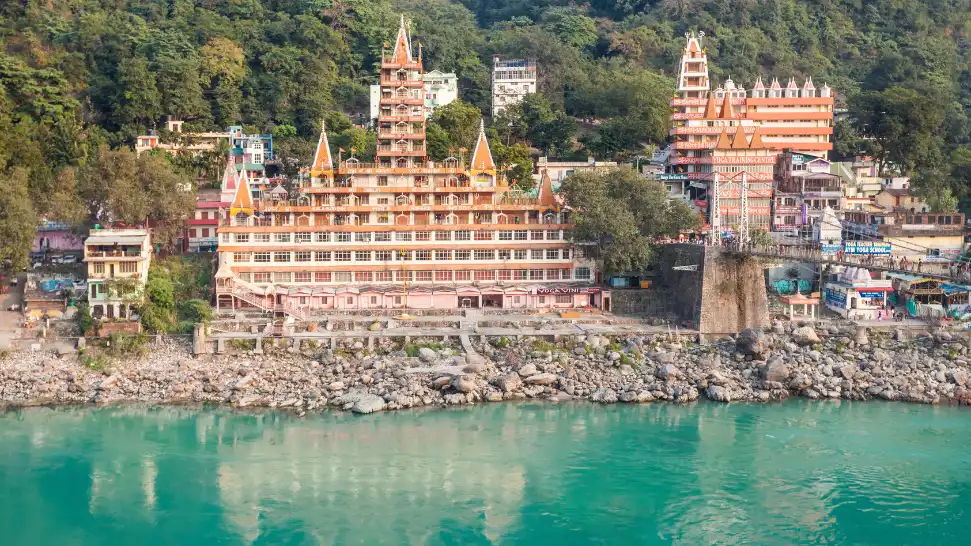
x=402 y=233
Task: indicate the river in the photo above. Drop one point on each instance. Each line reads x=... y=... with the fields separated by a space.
x=801 y=472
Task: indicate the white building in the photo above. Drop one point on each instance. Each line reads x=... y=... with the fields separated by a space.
x=511 y=81
x=441 y=88
x=118 y=261
x=559 y=170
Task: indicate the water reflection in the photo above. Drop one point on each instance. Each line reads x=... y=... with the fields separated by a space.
x=512 y=474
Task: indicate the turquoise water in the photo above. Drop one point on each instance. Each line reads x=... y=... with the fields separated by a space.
x=796 y=473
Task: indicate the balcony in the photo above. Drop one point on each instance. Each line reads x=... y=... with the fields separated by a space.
x=417 y=101
x=400 y=135
x=395 y=82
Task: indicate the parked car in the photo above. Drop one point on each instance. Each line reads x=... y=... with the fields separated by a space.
x=69 y=259
x=80 y=286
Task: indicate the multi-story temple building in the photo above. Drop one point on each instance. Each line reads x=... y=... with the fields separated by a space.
x=707 y=124
x=403 y=232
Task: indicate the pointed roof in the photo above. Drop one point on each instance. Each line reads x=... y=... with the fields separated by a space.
x=809 y=83
x=757 y=143
x=740 y=142
x=693 y=45
x=723 y=142
x=229 y=175
x=322 y=161
x=243 y=200
x=792 y=84
x=482 y=155
x=759 y=84
x=775 y=84
x=727 y=111
x=402 y=45
x=711 y=110
x=546 y=197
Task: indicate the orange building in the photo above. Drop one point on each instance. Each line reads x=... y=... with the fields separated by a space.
x=403 y=232
x=706 y=124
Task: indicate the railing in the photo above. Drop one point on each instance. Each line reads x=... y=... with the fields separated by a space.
x=113 y=254
x=958 y=271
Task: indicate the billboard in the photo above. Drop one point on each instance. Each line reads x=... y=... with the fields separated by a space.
x=878 y=248
x=830 y=250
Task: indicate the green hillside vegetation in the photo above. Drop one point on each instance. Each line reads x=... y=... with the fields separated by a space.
x=79 y=78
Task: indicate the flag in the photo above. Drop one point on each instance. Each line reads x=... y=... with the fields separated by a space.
x=339 y=149
x=353 y=150
x=463 y=150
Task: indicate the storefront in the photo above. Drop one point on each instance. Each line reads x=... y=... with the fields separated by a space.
x=858 y=297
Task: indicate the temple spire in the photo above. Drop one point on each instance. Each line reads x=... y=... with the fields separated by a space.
x=727 y=111
x=711 y=109
x=243 y=200
x=545 y=196
x=482 y=156
x=322 y=160
x=402 y=45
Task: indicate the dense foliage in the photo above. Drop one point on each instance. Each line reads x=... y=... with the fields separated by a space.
x=80 y=76
x=618 y=213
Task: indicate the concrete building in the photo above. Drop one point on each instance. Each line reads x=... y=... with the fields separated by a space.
x=403 y=232
x=791 y=117
x=251 y=152
x=56 y=236
x=559 y=170
x=118 y=261
x=801 y=195
x=512 y=80
x=893 y=199
x=194 y=143
x=440 y=88
x=924 y=236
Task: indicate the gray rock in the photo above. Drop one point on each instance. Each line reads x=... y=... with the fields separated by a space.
x=368 y=403
x=463 y=384
x=775 y=370
x=861 y=337
x=604 y=396
x=959 y=377
x=527 y=370
x=718 y=394
x=668 y=372
x=752 y=342
x=879 y=355
x=427 y=355
x=510 y=382
x=626 y=369
x=579 y=350
x=474 y=367
x=665 y=358
x=613 y=356
x=336 y=386
x=799 y=382
x=108 y=382
x=848 y=371
x=805 y=335
x=245 y=382
x=541 y=379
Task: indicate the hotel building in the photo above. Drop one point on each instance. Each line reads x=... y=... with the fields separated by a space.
x=772 y=119
x=403 y=232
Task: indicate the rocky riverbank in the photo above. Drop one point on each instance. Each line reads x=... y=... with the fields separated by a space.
x=834 y=361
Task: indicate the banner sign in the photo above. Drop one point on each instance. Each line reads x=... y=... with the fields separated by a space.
x=867 y=247
x=830 y=250
x=835 y=298
x=870 y=293
x=567 y=290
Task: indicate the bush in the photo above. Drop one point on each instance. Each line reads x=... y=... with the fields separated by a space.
x=412 y=349
x=501 y=343
x=122 y=345
x=84 y=319
x=94 y=360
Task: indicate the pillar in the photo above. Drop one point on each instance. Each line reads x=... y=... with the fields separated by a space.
x=220 y=346
x=259 y=345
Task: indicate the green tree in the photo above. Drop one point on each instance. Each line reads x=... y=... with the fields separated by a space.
x=514 y=162
x=570 y=26
x=460 y=121
x=18 y=222
x=618 y=213
x=137 y=103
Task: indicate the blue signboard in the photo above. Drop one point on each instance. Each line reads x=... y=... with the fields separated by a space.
x=870 y=293
x=835 y=298
x=867 y=247
x=830 y=250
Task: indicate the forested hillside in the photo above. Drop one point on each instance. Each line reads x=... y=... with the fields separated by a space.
x=79 y=76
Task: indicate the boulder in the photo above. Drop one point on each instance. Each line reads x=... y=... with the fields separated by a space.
x=805 y=335
x=579 y=350
x=604 y=396
x=668 y=372
x=752 y=342
x=718 y=394
x=510 y=382
x=959 y=377
x=245 y=382
x=879 y=355
x=665 y=358
x=463 y=384
x=800 y=381
x=541 y=379
x=336 y=386
x=613 y=356
x=775 y=370
x=427 y=355
x=368 y=403
x=474 y=367
x=848 y=371
x=527 y=370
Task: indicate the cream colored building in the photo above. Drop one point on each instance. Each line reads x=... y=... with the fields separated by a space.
x=118 y=261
